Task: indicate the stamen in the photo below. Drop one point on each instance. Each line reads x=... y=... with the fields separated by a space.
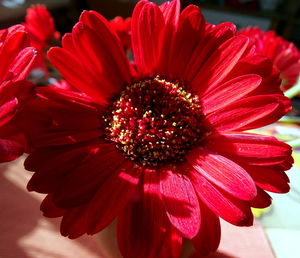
x=154 y=121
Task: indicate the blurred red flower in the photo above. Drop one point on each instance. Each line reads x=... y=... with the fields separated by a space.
x=284 y=54
x=16 y=61
x=41 y=27
x=159 y=145
x=123 y=29
x=40 y=24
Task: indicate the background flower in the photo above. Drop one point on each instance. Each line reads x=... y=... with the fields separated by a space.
x=123 y=29
x=41 y=28
x=160 y=145
x=17 y=59
x=284 y=54
x=40 y=24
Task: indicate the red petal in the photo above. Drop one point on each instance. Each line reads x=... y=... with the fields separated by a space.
x=74 y=73
x=77 y=221
x=8 y=111
x=109 y=43
x=188 y=36
x=86 y=121
x=208 y=238
x=249 y=113
x=100 y=25
x=217 y=66
x=262 y=199
x=223 y=172
x=71 y=98
x=66 y=137
x=143 y=227
x=171 y=12
x=23 y=63
x=181 y=202
x=53 y=163
x=12 y=143
x=230 y=209
x=67 y=43
x=9 y=50
x=229 y=92
x=270 y=179
x=10 y=149
x=253 y=149
x=263 y=67
x=112 y=197
x=49 y=209
x=100 y=60
x=81 y=184
x=285 y=164
x=147 y=25
x=60 y=125
x=213 y=39
x=73 y=223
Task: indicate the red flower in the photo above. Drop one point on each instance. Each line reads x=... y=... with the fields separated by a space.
x=161 y=148
x=284 y=54
x=16 y=61
x=123 y=29
x=40 y=25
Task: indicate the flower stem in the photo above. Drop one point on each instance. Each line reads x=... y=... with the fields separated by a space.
x=292 y=92
x=290 y=119
x=294 y=143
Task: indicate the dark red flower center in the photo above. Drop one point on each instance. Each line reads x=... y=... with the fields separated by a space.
x=154 y=121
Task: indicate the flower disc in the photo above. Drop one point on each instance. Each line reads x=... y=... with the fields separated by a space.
x=154 y=121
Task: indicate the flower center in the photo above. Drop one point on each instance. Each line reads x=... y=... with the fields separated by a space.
x=154 y=121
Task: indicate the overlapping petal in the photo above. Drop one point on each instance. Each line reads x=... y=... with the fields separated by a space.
x=98 y=56
x=249 y=113
x=181 y=202
x=17 y=59
x=146 y=36
x=12 y=143
x=284 y=54
x=229 y=92
x=234 y=211
x=220 y=63
x=208 y=238
x=108 y=203
x=223 y=172
x=253 y=149
x=143 y=227
x=214 y=37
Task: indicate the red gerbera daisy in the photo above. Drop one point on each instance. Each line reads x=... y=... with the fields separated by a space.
x=162 y=147
x=123 y=29
x=16 y=60
x=40 y=25
x=284 y=54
